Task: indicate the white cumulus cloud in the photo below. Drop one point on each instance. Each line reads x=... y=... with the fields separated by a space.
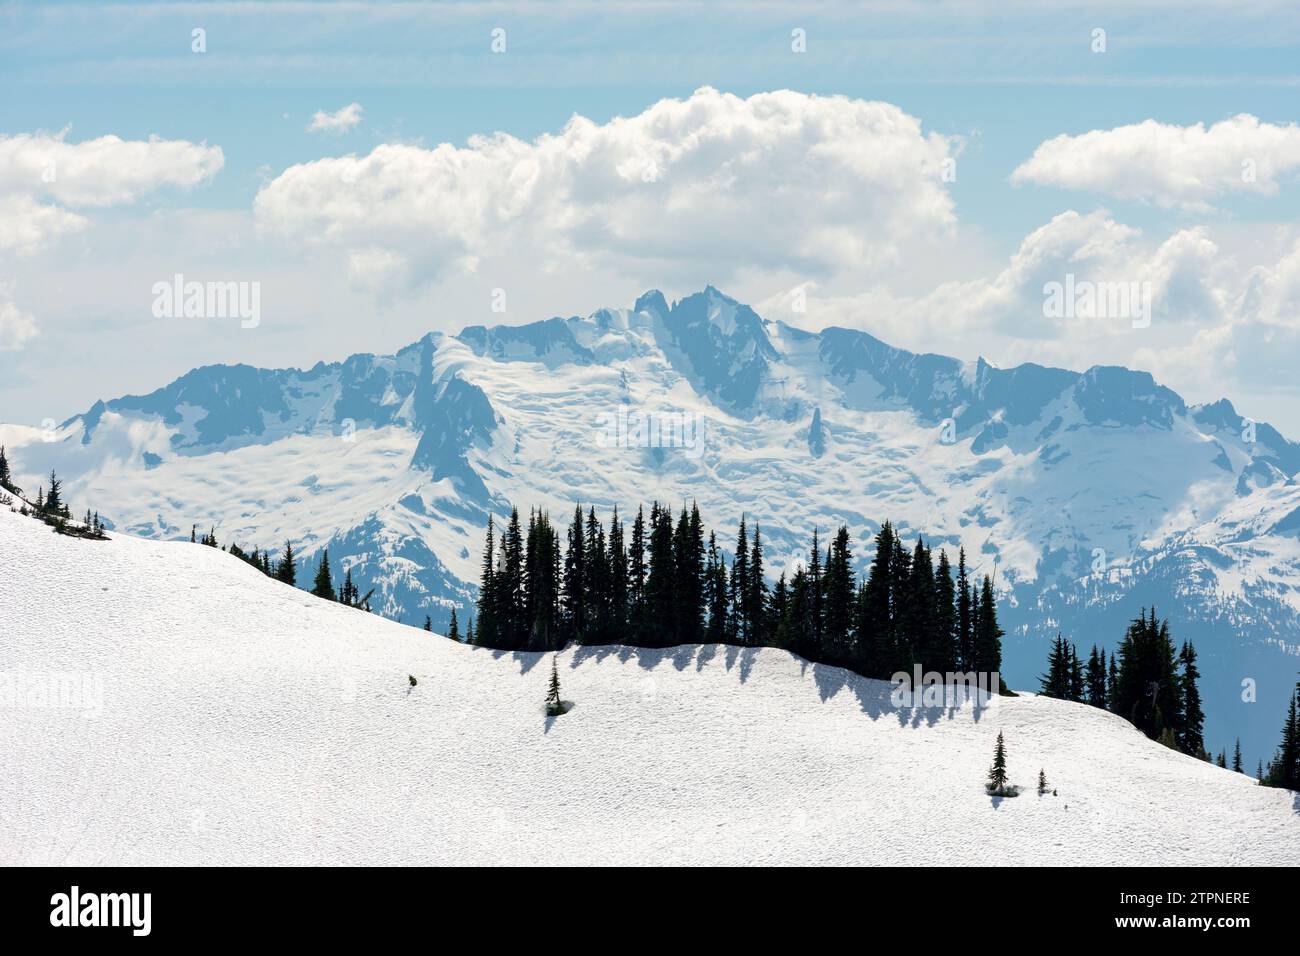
x=339 y=121
x=1170 y=166
x=16 y=327
x=44 y=178
x=776 y=180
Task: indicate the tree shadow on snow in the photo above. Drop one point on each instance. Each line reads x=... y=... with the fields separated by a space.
x=875 y=698
x=527 y=659
x=568 y=706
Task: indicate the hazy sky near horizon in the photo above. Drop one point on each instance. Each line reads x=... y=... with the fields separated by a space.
x=920 y=171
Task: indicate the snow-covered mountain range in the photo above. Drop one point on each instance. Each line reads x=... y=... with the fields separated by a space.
x=1089 y=494
x=167 y=704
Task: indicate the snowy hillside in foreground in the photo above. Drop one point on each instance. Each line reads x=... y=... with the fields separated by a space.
x=1089 y=495
x=242 y=721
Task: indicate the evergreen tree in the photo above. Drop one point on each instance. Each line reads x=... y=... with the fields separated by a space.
x=1285 y=769
x=1191 y=739
x=574 y=601
x=428 y=622
x=777 y=613
x=1095 y=679
x=619 y=609
x=453 y=627
x=54 y=498
x=285 y=570
x=997 y=783
x=813 y=623
x=840 y=591
x=636 y=577
x=739 y=583
x=1112 y=678
x=688 y=560
x=323 y=587
x=946 y=625
x=1222 y=760
x=1148 y=691
x=965 y=616
x=511 y=617
x=661 y=578
x=470 y=639
x=1042 y=783
x=487 y=600
x=1056 y=682
x=597 y=569
x=554 y=706
x=921 y=621
x=756 y=594
x=542 y=584
x=1077 y=683
x=715 y=593
x=351 y=596
x=988 y=635
x=1236 y=756
x=6 y=479
x=875 y=625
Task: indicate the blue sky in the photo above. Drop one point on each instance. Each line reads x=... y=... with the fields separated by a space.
x=993 y=82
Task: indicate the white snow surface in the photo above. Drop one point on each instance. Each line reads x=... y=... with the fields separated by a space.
x=245 y=722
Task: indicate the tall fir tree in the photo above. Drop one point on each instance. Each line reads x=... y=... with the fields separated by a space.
x=875 y=629
x=661 y=579
x=574 y=602
x=554 y=706
x=323 y=586
x=840 y=592
x=965 y=616
x=739 y=582
x=1056 y=682
x=988 y=635
x=1095 y=678
x=636 y=577
x=1284 y=771
x=997 y=782
x=946 y=626
x=487 y=630
x=1148 y=690
x=755 y=602
x=1078 y=683
x=618 y=581
x=286 y=571
x=1191 y=739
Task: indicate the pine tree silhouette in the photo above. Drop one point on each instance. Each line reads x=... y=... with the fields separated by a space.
x=324 y=586
x=997 y=782
x=554 y=706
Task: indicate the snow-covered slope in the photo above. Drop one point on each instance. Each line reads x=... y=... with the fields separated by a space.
x=222 y=717
x=1088 y=494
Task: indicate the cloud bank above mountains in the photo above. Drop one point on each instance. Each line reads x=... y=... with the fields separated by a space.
x=776 y=181
x=809 y=206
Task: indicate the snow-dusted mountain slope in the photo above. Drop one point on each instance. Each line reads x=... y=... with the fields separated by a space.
x=1088 y=494
x=166 y=704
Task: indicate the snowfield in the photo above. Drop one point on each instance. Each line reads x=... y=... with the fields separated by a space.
x=163 y=703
